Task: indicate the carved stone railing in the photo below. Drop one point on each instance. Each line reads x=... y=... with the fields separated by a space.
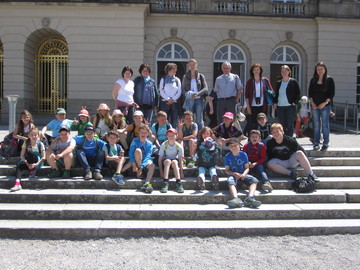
x=171 y=6
x=235 y=7
x=288 y=9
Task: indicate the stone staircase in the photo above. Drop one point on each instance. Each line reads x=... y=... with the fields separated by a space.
x=74 y=208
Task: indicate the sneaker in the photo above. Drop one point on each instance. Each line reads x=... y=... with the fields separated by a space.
x=251 y=202
x=294 y=175
x=184 y=163
x=54 y=173
x=267 y=186
x=97 y=175
x=235 y=203
x=316 y=147
x=324 y=148
x=179 y=188
x=147 y=188
x=32 y=174
x=191 y=164
x=88 y=175
x=16 y=188
x=66 y=174
x=118 y=179
x=215 y=182
x=312 y=177
x=165 y=187
x=200 y=183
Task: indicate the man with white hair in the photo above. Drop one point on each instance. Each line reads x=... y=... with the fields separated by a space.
x=229 y=88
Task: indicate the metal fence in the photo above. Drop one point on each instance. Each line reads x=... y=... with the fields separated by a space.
x=347 y=116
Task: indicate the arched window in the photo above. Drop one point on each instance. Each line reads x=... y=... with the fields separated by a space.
x=51 y=75
x=233 y=54
x=1 y=74
x=175 y=53
x=285 y=55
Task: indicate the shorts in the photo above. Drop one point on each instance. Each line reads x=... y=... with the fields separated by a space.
x=61 y=164
x=248 y=180
x=288 y=163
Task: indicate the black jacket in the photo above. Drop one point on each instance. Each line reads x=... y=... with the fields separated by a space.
x=292 y=91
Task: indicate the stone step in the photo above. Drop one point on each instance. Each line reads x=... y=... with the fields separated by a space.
x=176 y=211
x=353 y=195
x=6 y=182
x=323 y=171
x=82 y=229
x=132 y=196
x=334 y=161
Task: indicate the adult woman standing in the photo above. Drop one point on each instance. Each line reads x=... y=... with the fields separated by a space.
x=195 y=89
x=146 y=92
x=287 y=95
x=123 y=93
x=321 y=93
x=170 y=92
x=255 y=93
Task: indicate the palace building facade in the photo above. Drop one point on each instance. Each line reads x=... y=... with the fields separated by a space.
x=70 y=53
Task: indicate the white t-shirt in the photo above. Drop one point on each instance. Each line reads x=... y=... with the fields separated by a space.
x=102 y=128
x=257 y=94
x=172 y=151
x=126 y=91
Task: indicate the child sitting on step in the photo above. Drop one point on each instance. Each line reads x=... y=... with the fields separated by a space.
x=32 y=157
x=237 y=168
x=256 y=152
x=82 y=123
x=55 y=124
x=208 y=155
x=171 y=154
x=188 y=132
x=102 y=120
x=114 y=156
x=263 y=126
x=140 y=153
x=159 y=129
x=118 y=124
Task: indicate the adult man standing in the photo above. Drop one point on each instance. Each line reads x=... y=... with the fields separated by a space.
x=229 y=88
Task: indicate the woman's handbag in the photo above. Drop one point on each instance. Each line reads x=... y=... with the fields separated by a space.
x=270 y=94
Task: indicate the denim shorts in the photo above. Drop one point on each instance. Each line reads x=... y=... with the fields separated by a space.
x=248 y=180
x=288 y=163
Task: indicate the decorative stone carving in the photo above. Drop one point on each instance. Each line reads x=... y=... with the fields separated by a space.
x=289 y=35
x=232 y=33
x=45 y=22
x=173 y=31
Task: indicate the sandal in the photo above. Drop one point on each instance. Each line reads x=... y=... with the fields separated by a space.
x=200 y=183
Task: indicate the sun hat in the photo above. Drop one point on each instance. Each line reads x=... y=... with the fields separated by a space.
x=60 y=111
x=138 y=113
x=117 y=112
x=103 y=106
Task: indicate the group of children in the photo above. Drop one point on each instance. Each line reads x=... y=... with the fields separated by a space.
x=108 y=140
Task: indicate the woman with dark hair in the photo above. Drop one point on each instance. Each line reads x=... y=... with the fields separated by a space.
x=123 y=93
x=255 y=94
x=287 y=95
x=146 y=92
x=170 y=92
x=321 y=94
x=195 y=89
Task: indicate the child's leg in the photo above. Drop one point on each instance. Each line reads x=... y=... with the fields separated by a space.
x=150 y=174
x=175 y=167
x=303 y=161
x=68 y=159
x=52 y=162
x=202 y=172
x=297 y=126
x=138 y=161
x=232 y=187
x=260 y=171
x=273 y=164
x=252 y=189
x=126 y=166
x=192 y=147
x=120 y=165
x=167 y=163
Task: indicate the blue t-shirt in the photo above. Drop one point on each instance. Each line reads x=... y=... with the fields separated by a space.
x=55 y=125
x=161 y=134
x=89 y=147
x=236 y=163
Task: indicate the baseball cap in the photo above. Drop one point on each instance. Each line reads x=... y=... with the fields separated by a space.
x=83 y=113
x=173 y=130
x=261 y=115
x=229 y=115
x=90 y=128
x=233 y=140
x=60 y=111
x=138 y=113
x=64 y=128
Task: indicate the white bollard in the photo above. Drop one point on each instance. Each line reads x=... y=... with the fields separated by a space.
x=12 y=111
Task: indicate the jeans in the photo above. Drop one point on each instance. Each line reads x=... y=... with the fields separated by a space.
x=198 y=109
x=260 y=171
x=323 y=116
x=172 y=112
x=86 y=162
x=287 y=116
x=202 y=172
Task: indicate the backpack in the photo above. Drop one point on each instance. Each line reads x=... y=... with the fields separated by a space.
x=208 y=158
x=304 y=185
x=32 y=156
x=166 y=144
x=10 y=146
x=118 y=148
x=176 y=81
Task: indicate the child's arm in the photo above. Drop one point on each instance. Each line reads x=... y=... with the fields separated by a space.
x=43 y=158
x=181 y=168
x=229 y=172
x=15 y=134
x=180 y=125
x=43 y=131
x=211 y=105
x=192 y=136
x=161 y=169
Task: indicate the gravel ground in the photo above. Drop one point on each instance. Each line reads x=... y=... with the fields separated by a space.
x=260 y=252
